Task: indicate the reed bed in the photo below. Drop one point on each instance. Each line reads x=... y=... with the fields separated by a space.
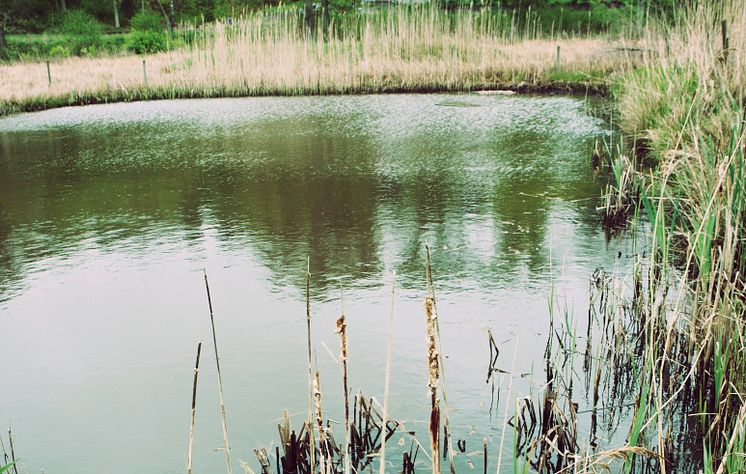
x=683 y=324
x=403 y=49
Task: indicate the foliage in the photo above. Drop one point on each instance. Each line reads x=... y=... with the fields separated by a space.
x=147 y=20
x=59 y=51
x=146 y=42
x=83 y=30
x=6 y=468
x=79 y=23
x=147 y=34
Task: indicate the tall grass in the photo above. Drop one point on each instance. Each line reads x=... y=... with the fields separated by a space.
x=684 y=108
x=270 y=52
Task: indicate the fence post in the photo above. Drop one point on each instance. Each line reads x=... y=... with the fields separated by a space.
x=557 y=66
x=724 y=32
x=49 y=74
x=145 y=73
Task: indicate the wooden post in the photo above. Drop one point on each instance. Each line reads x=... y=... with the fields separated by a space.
x=49 y=74
x=557 y=66
x=145 y=73
x=724 y=32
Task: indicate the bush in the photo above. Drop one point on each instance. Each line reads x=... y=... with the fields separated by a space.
x=146 y=42
x=84 y=31
x=79 y=23
x=59 y=51
x=147 y=20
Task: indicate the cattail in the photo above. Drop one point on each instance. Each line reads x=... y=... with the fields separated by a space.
x=342 y=331
x=433 y=381
x=323 y=461
x=433 y=334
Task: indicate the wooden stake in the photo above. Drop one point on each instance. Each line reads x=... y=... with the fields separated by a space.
x=220 y=377
x=724 y=33
x=145 y=73
x=194 y=409
x=49 y=74
x=557 y=66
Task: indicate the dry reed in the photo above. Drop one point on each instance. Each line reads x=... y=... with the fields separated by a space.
x=311 y=396
x=224 y=424
x=269 y=53
x=387 y=377
x=194 y=408
x=342 y=331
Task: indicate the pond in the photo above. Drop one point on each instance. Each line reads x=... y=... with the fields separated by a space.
x=110 y=213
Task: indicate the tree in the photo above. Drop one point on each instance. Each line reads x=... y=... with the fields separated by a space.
x=6 y=10
x=116 y=13
x=309 y=15
x=4 y=17
x=169 y=15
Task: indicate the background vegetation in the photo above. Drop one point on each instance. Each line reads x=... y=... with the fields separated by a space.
x=41 y=29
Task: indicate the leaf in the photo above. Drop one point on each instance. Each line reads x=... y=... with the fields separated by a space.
x=7 y=467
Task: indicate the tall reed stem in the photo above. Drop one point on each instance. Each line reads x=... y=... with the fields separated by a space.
x=389 y=339
x=342 y=331
x=226 y=446
x=312 y=444
x=194 y=409
x=507 y=404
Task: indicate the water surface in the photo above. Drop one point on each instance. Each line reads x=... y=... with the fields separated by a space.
x=109 y=214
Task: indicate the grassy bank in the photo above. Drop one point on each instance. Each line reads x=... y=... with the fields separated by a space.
x=270 y=53
x=686 y=309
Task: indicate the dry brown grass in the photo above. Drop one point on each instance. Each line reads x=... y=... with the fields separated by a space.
x=270 y=54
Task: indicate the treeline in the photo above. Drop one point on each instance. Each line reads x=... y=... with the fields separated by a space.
x=96 y=27
x=36 y=16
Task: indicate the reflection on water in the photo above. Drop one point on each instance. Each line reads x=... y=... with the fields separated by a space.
x=108 y=213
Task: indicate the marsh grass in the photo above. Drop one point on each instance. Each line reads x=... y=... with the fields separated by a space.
x=269 y=52
x=688 y=111
x=673 y=332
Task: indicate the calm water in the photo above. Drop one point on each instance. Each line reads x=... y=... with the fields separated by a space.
x=108 y=214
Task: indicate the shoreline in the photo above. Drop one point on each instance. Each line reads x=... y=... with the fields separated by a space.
x=8 y=109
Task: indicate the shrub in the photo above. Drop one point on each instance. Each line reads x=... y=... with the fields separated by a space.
x=147 y=20
x=80 y=23
x=146 y=42
x=83 y=29
x=59 y=51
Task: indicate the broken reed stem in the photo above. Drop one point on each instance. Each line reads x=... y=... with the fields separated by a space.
x=194 y=409
x=311 y=443
x=433 y=379
x=441 y=375
x=12 y=451
x=342 y=331
x=387 y=377
x=220 y=379
x=5 y=454
x=507 y=404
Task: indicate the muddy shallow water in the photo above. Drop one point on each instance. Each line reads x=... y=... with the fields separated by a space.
x=108 y=214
